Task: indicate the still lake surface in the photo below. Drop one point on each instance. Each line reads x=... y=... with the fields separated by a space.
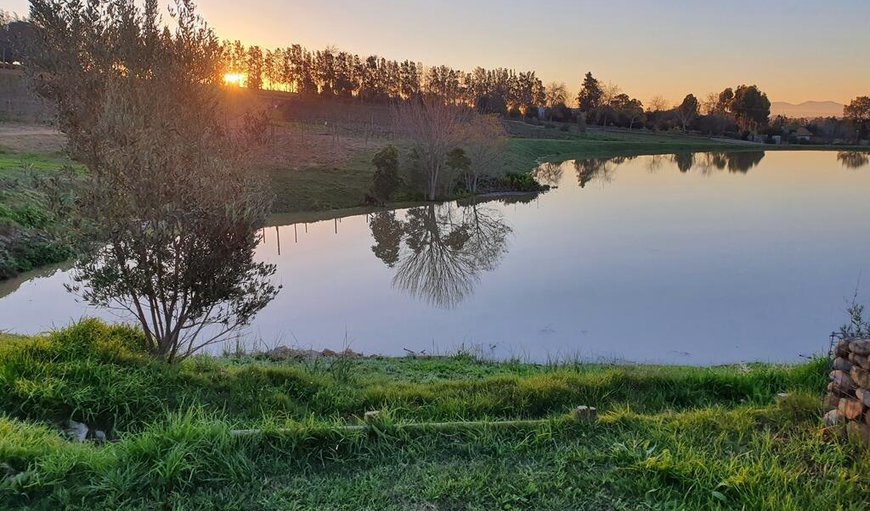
x=698 y=259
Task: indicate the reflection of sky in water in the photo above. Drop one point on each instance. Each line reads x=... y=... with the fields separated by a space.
x=704 y=259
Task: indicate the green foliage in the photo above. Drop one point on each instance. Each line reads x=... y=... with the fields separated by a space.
x=458 y=160
x=35 y=215
x=519 y=183
x=385 y=180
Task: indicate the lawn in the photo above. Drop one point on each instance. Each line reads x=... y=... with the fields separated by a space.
x=526 y=153
x=665 y=437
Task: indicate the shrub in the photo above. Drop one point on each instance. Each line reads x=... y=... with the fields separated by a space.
x=386 y=180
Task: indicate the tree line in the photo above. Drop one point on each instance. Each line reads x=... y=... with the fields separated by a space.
x=332 y=72
x=335 y=73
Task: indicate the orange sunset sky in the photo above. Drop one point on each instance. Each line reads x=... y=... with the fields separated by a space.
x=794 y=50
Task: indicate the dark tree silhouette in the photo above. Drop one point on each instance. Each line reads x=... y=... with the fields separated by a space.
x=750 y=107
x=590 y=96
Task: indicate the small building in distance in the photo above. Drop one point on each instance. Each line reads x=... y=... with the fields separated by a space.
x=802 y=134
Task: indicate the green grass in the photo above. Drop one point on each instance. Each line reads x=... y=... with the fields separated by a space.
x=667 y=437
x=36 y=196
x=11 y=162
x=526 y=153
x=321 y=188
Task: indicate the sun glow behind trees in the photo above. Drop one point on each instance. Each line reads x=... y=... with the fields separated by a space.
x=235 y=79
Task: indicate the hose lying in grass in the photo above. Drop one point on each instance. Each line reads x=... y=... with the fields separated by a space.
x=374 y=423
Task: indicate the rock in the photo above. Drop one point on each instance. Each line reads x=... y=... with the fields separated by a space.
x=851 y=409
x=861 y=347
x=860 y=377
x=833 y=418
x=841 y=379
x=841 y=364
x=100 y=436
x=372 y=416
x=842 y=391
x=860 y=360
x=842 y=348
x=585 y=414
x=782 y=396
x=77 y=431
x=863 y=395
x=831 y=401
x=859 y=433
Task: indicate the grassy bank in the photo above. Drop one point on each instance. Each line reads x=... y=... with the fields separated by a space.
x=35 y=192
x=527 y=153
x=667 y=437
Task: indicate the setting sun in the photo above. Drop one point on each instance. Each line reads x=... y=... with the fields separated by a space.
x=237 y=79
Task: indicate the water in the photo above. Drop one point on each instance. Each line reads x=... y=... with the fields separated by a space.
x=687 y=259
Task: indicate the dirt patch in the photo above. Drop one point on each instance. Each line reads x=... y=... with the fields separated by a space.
x=30 y=138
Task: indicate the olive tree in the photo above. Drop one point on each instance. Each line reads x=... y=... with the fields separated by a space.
x=171 y=212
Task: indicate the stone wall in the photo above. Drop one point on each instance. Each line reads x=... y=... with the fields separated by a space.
x=848 y=398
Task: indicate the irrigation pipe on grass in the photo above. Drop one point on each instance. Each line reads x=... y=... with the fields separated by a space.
x=373 y=424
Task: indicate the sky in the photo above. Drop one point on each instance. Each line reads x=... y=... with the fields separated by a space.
x=795 y=50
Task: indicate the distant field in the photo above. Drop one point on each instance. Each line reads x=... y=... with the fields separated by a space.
x=319 y=151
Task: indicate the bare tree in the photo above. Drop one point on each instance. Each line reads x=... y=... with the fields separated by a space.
x=171 y=210
x=434 y=128
x=485 y=142
x=710 y=104
x=610 y=91
x=657 y=104
x=555 y=96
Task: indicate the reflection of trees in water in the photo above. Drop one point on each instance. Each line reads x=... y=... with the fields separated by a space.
x=445 y=249
x=600 y=169
x=739 y=161
x=853 y=159
x=549 y=174
x=387 y=232
x=742 y=161
x=654 y=163
x=603 y=169
x=684 y=161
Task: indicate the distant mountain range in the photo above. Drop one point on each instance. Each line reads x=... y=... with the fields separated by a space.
x=807 y=109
